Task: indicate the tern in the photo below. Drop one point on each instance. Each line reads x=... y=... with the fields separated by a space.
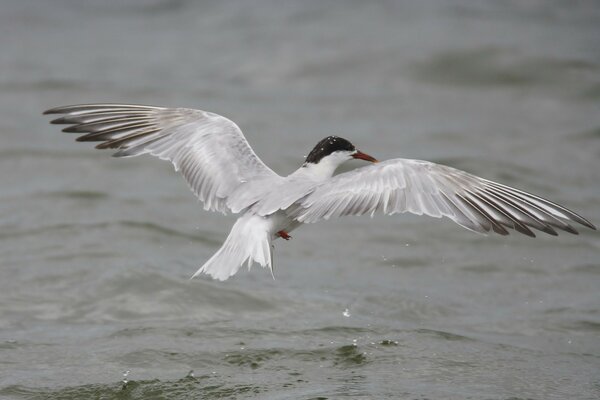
x=224 y=172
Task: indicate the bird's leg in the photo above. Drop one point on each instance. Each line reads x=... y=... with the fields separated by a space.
x=284 y=235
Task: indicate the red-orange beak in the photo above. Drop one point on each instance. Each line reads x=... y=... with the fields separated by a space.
x=362 y=156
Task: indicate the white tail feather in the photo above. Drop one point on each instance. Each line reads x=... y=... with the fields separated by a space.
x=249 y=241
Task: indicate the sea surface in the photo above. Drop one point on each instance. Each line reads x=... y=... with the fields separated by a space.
x=96 y=252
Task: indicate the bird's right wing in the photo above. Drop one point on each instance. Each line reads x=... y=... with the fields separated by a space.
x=210 y=150
x=421 y=187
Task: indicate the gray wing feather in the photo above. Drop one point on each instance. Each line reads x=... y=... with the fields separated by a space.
x=210 y=150
x=425 y=188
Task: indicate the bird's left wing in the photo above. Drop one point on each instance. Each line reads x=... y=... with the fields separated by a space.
x=210 y=150
x=421 y=187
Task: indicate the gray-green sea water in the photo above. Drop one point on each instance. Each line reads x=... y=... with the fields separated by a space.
x=96 y=252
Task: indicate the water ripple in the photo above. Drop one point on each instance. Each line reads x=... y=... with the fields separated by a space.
x=203 y=237
x=189 y=387
x=492 y=66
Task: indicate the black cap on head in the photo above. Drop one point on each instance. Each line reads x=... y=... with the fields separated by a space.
x=327 y=146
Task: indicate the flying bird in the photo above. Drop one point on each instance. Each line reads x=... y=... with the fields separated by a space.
x=224 y=172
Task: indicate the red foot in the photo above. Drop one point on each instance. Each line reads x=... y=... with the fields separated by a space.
x=284 y=235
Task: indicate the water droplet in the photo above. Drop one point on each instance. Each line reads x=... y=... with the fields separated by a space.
x=125 y=375
x=346 y=313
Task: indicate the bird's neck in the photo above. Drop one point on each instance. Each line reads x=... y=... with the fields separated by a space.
x=318 y=172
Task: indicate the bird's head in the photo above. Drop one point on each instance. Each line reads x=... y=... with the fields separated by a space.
x=334 y=151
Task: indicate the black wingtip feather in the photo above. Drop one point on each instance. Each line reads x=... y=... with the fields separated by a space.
x=571 y=230
x=499 y=229
x=72 y=129
x=59 y=121
x=57 y=110
x=524 y=230
x=105 y=145
x=549 y=231
x=91 y=137
x=587 y=223
x=520 y=193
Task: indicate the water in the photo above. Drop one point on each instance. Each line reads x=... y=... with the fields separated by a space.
x=96 y=252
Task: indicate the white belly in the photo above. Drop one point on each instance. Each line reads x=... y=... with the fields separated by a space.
x=279 y=221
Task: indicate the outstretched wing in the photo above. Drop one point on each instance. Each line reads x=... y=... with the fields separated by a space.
x=421 y=187
x=210 y=150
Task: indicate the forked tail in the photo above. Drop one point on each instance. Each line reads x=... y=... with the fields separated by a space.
x=248 y=242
